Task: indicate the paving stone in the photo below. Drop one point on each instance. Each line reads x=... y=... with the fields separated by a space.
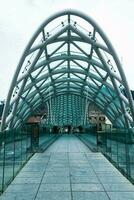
x=90 y=196
x=82 y=173
x=121 y=195
x=78 y=169
x=23 y=188
x=57 y=169
x=33 y=169
x=79 y=165
x=54 y=196
x=113 y=179
x=124 y=187
x=84 y=179
x=26 y=180
x=56 y=179
x=58 y=173
x=54 y=187
x=107 y=174
x=17 y=196
x=30 y=174
x=87 y=187
x=60 y=165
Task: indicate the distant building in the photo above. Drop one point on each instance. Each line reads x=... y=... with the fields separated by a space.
x=97 y=117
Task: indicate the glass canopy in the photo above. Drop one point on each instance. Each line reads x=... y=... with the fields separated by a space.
x=68 y=63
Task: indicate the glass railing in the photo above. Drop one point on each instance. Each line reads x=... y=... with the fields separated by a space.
x=88 y=136
x=116 y=144
x=14 y=152
x=16 y=148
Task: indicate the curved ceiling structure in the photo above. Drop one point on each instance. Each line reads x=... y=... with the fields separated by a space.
x=69 y=55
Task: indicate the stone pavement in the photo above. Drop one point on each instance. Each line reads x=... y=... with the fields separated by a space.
x=68 y=170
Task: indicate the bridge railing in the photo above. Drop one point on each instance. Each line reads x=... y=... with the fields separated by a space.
x=118 y=146
x=14 y=152
x=16 y=148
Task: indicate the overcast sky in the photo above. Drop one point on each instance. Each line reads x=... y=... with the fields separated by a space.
x=20 y=18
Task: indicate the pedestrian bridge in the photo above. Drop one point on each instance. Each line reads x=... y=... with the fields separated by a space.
x=69 y=170
x=68 y=64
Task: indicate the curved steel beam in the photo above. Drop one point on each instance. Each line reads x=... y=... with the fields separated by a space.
x=110 y=82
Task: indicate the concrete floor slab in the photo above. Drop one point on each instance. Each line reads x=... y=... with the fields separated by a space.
x=120 y=187
x=54 y=196
x=22 y=188
x=24 y=180
x=84 y=179
x=87 y=187
x=121 y=195
x=56 y=179
x=90 y=196
x=55 y=187
x=17 y=196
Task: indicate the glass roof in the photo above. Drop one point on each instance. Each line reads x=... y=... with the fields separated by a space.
x=68 y=59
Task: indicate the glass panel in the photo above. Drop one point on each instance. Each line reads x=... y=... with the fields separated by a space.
x=18 y=149
x=122 y=156
x=15 y=149
x=118 y=146
x=1 y=159
x=9 y=157
x=24 y=145
x=28 y=142
x=131 y=156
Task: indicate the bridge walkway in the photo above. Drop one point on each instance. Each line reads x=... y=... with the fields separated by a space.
x=68 y=170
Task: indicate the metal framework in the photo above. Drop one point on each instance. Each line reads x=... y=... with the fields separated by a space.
x=69 y=55
x=67 y=109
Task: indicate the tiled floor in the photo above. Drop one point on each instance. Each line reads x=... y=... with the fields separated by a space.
x=68 y=170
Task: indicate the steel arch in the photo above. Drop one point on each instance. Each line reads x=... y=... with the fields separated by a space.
x=69 y=54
